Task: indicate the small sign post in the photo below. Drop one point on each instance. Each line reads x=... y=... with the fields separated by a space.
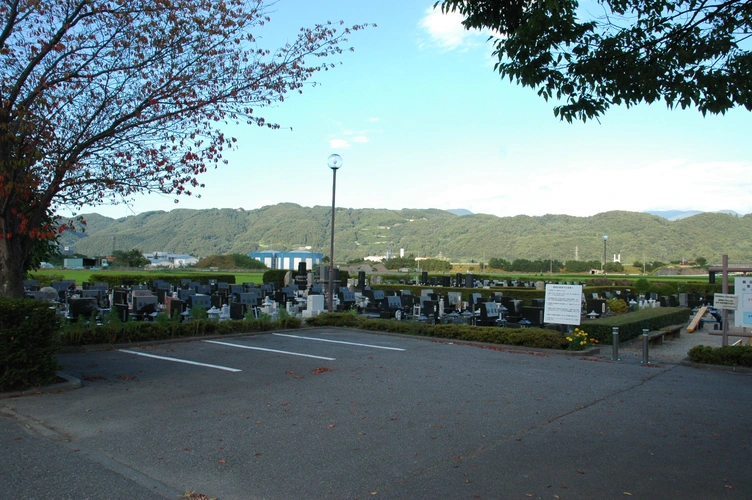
x=727 y=301
x=563 y=304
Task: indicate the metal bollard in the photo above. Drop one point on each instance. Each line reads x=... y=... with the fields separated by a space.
x=615 y=342
x=645 y=346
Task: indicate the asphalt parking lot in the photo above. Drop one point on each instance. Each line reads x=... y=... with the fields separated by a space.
x=333 y=413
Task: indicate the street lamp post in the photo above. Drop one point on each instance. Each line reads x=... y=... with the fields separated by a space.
x=334 y=161
x=605 y=239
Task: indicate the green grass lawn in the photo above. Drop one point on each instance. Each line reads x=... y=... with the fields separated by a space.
x=81 y=275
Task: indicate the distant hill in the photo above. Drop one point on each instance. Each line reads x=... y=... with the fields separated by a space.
x=424 y=233
x=459 y=211
x=683 y=214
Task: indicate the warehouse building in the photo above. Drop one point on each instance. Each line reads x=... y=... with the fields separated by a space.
x=287 y=260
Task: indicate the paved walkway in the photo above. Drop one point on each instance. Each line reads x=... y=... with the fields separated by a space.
x=674 y=351
x=365 y=415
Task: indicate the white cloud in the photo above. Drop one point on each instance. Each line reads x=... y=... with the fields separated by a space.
x=373 y=119
x=361 y=139
x=339 y=144
x=446 y=30
x=676 y=184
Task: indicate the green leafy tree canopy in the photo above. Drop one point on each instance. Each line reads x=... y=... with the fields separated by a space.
x=688 y=53
x=130 y=258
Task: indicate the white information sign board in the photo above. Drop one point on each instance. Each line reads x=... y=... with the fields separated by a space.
x=725 y=301
x=743 y=289
x=563 y=304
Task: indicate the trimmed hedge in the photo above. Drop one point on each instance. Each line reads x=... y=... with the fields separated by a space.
x=732 y=355
x=277 y=276
x=116 y=332
x=29 y=333
x=631 y=324
x=115 y=280
x=528 y=337
x=526 y=295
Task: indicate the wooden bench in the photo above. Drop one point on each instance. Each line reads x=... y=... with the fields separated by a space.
x=671 y=332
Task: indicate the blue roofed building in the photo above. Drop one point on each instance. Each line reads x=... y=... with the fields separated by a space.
x=287 y=260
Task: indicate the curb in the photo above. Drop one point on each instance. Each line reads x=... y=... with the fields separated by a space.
x=507 y=347
x=69 y=384
x=719 y=368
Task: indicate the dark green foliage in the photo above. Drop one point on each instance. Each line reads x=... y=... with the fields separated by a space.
x=401 y=262
x=581 y=266
x=434 y=265
x=199 y=313
x=631 y=325
x=617 y=306
x=115 y=332
x=652 y=266
x=232 y=261
x=117 y=279
x=29 y=333
x=535 y=266
x=130 y=258
x=46 y=279
x=530 y=337
x=614 y=267
x=642 y=286
x=526 y=295
x=344 y=320
x=663 y=288
x=499 y=263
x=684 y=52
x=733 y=355
x=276 y=276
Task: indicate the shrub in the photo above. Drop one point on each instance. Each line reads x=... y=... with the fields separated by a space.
x=334 y=319
x=529 y=337
x=276 y=276
x=46 y=279
x=733 y=355
x=631 y=325
x=114 y=279
x=113 y=331
x=617 y=306
x=29 y=333
x=642 y=286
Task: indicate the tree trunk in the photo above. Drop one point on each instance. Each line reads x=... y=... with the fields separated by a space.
x=13 y=255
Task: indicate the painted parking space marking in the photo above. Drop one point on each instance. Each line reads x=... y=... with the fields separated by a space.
x=177 y=360
x=269 y=350
x=338 y=342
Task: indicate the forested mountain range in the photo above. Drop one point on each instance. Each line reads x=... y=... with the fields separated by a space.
x=423 y=233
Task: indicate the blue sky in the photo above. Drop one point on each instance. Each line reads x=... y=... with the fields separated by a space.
x=421 y=120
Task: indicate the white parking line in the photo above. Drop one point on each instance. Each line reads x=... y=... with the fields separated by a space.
x=176 y=360
x=270 y=350
x=337 y=341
